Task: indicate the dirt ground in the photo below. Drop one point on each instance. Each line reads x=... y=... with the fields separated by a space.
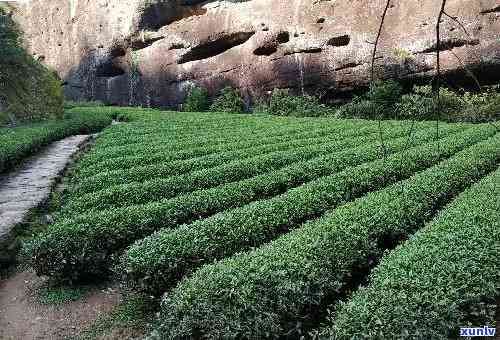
x=22 y=317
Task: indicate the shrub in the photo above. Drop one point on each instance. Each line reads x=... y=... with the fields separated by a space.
x=6 y=119
x=379 y=102
x=282 y=103
x=84 y=246
x=479 y=107
x=385 y=95
x=197 y=100
x=69 y=104
x=359 y=108
x=441 y=279
x=469 y=107
x=236 y=170
x=228 y=101
x=109 y=178
x=94 y=165
x=28 y=90
x=273 y=291
x=261 y=106
x=156 y=142
x=226 y=233
x=415 y=106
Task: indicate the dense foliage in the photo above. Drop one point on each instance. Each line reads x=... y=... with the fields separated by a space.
x=236 y=217
x=265 y=294
x=443 y=278
x=28 y=90
x=197 y=100
x=282 y=103
x=229 y=101
x=383 y=100
x=190 y=246
x=386 y=100
x=91 y=253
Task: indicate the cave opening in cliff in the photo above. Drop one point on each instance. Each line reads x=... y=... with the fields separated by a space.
x=266 y=50
x=342 y=40
x=215 y=47
x=109 y=69
x=449 y=44
x=157 y=15
x=283 y=37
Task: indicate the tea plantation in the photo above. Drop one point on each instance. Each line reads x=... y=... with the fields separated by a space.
x=254 y=227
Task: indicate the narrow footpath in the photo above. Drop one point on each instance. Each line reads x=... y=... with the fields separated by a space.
x=22 y=315
x=30 y=185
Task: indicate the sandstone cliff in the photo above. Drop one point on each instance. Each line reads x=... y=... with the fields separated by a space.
x=149 y=52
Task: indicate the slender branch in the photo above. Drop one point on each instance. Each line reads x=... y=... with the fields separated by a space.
x=458 y=22
x=437 y=84
x=377 y=40
x=372 y=73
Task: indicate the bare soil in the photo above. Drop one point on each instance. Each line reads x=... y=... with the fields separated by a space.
x=23 y=317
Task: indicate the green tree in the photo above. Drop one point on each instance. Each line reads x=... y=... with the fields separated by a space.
x=28 y=90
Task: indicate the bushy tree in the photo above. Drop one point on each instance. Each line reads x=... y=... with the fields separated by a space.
x=385 y=94
x=28 y=90
x=197 y=100
x=282 y=103
x=229 y=100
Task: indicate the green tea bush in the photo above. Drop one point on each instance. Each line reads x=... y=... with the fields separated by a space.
x=90 y=168
x=84 y=246
x=106 y=179
x=272 y=291
x=215 y=141
x=163 y=188
x=282 y=103
x=204 y=126
x=226 y=233
x=443 y=278
x=229 y=101
x=197 y=100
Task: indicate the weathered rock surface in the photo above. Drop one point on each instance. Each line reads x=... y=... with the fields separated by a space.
x=30 y=186
x=150 y=52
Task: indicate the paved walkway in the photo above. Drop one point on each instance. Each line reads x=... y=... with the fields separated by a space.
x=31 y=185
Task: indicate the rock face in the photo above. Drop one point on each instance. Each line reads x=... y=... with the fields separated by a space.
x=151 y=52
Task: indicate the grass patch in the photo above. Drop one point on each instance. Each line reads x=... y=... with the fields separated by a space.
x=132 y=318
x=58 y=295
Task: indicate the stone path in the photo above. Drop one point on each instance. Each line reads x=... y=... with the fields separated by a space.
x=31 y=185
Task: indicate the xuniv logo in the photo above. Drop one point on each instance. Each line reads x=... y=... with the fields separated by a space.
x=477 y=331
